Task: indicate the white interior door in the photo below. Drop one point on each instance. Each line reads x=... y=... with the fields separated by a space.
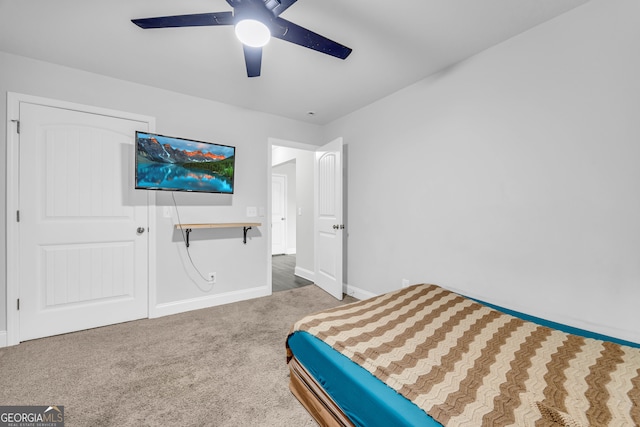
x=328 y=218
x=278 y=214
x=83 y=228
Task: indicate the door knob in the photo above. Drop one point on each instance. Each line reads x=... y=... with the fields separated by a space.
x=140 y=230
x=335 y=227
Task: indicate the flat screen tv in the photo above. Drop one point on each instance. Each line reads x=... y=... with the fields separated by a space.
x=178 y=164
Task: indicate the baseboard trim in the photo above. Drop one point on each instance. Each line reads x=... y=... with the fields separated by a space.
x=176 y=307
x=3 y=339
x=357 y=292
x=304 y=273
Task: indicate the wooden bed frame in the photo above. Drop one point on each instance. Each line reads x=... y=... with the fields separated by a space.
x=313 y=397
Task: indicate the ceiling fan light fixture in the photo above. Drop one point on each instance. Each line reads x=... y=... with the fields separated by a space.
x=253 y=33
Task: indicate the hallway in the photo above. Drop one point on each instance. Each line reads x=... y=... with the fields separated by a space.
x=283 y=267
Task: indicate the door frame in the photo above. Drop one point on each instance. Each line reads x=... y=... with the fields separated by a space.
x=13 y=236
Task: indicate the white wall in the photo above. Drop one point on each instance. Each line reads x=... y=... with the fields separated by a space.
x=513 y=176
x=239 y=267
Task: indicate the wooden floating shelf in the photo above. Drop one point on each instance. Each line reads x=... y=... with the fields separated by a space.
x=246 y=226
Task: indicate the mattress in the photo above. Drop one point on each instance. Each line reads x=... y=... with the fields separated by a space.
x=368 y=401
x=365 y=400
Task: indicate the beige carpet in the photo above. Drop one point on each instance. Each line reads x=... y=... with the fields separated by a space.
x=221 y=366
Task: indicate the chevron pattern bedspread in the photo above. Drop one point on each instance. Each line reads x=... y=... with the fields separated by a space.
x=467 y=364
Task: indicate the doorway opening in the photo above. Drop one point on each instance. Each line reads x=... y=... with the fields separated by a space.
x=292 y=256
x=319 y=200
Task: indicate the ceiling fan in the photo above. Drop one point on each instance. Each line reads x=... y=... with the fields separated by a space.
x=255 y=22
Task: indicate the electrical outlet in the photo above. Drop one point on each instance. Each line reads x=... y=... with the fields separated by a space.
x=212 y=277
x=405 y=283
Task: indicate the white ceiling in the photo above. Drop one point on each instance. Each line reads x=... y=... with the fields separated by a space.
x=395 y=43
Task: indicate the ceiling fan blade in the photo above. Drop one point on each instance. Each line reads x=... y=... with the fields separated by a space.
x=253 y=59
x=195 y=20
x=301 y=36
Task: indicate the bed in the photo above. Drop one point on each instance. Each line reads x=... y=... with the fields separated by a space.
x=426 y=356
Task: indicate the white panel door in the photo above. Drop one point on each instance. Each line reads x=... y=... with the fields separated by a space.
x=278 y=214
x=328 y=218
x=83 y=227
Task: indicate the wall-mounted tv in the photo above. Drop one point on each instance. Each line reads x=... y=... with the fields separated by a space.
x=178 y=164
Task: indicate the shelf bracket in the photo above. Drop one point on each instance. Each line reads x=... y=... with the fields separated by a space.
x=187 y=230
x=245 y=229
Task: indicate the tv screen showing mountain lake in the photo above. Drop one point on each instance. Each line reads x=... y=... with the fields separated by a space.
x=166 y=163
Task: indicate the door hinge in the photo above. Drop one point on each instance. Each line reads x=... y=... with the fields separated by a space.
x=17 y=122
x=18 y=304
x=17 y=216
